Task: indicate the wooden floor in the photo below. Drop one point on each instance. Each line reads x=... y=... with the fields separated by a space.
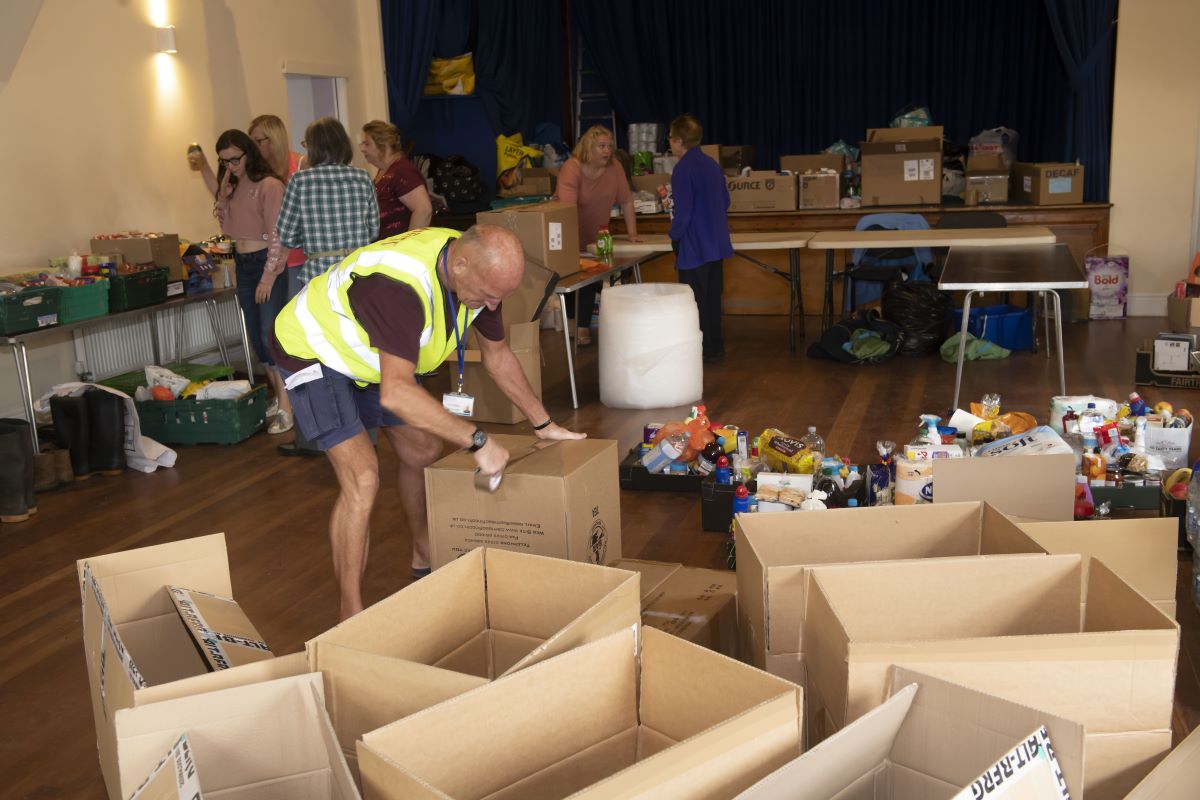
x=273 y=511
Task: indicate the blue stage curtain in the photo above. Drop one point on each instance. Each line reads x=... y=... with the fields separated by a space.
x=409 y=29
x=1085 y=33
x=518 y=63
x=794 y=76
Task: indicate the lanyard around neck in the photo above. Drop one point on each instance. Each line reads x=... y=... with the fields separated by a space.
x=459 y=344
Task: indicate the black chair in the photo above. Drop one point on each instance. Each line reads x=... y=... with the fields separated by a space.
x=878 y=265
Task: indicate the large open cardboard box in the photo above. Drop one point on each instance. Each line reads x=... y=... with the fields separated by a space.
x=699 y=605
x=775 y=553
x=902 y=166
x=549 y=232
x=1177 y=777
x=137 y=647
x=562 y=500
x=1010 y=627
x=928 y=740
x=267 y=740
x=487 y=614
x=1144 y=552
x=609 y=719
x=1035 y=487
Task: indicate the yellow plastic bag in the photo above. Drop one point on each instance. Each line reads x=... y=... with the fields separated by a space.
x=451 y=76
x=511 y=153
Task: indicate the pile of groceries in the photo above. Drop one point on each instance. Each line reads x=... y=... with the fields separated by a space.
x=1114 y=444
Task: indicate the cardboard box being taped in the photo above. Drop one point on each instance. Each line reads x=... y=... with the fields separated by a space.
x=1009 y=626
x=698 y=605
x=487 y=614
x=137 y=647
x=608 y=719
x=562 y=500
x=930 y=738
x=777 y=551
x=267 y=740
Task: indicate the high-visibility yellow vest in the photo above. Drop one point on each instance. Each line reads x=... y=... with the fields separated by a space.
x=319 y=323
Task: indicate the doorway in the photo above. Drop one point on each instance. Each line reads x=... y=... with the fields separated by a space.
x=311 y=97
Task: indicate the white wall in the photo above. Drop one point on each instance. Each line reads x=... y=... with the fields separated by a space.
x=95 y=124
x=1155 y=139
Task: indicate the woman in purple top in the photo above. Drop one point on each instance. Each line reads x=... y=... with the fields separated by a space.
x=700 y=227
x=248 y=199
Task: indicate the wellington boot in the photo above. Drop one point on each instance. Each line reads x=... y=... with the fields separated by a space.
x=16 y=475
x=44 y=476
x=21 y=427
x=74 y=433
x=106 y=421
x=62 y=467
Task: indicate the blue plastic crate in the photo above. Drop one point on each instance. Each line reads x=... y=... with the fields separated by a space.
x=1008 y=326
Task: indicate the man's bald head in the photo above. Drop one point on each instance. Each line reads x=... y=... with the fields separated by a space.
x=488 y=264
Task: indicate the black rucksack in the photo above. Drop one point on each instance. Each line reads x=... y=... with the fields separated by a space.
x=830 y=345
x=457 y=180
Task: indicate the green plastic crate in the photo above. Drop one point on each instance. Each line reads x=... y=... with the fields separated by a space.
x=138 y=289
x=204 y=421
x=83 y=302
x=30 y=309
x=128 y=382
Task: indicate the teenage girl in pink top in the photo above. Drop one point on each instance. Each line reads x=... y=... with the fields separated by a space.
x=248 y=199
x=594 y=181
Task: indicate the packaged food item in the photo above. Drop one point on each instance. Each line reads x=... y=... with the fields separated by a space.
x=784 y=453
x=914 y=482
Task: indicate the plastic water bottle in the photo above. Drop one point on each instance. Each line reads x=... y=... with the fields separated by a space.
x=669 y=448
x=815 y=444
x=1192 y=521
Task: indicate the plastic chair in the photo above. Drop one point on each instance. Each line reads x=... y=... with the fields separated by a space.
x=877 y=265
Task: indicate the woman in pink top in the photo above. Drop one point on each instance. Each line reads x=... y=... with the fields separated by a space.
x=248 y=199
x=595 y=182
x=269 y=133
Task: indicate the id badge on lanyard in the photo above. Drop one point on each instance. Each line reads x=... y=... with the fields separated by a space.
x=458 y=402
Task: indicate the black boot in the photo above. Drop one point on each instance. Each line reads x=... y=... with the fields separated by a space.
x=73 y=432
x=106 y=419
x=16 y=474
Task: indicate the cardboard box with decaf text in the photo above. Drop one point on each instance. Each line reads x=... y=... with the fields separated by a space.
x=1046 y=184
x=138 y=649
x=616 y=718
x=1009 y=626
x=557 y=499
x=699 y=605
x=487 y=614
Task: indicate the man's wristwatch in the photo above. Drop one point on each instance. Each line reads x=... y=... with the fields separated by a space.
x=478 y=440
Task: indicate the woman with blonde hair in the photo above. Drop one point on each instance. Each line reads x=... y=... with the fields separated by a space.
x=594 y=181
x=269 y=133
x=399 y=186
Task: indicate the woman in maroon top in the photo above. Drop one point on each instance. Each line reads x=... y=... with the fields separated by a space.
x=399 y=187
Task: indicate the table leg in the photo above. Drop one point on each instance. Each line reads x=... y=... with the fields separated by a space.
x=1058 y=341
x=962 y=349
x=562 y=307
x=1046 y=322
x=22 y=363
x=210 y=306
x=155 y=344
x=245 y=343
x=637 y=272
x=796 y=301
x=827 y=305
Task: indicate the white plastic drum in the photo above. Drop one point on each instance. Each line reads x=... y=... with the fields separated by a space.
x=650 y=346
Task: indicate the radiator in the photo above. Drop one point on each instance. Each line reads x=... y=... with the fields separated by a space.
x=105 y=349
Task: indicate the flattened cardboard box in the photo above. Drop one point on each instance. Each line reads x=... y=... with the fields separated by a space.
x=562 y=501
x=138 y=649
x=1143 y=552
x=902 y=166
x=776 y=552
x=928 y=739
x=1037 y=487
x=487 y=614
x=549 y=232
x=266 y=740
x=220 y=629
x=697 y=605
x=608 y=719
x=1010 y=627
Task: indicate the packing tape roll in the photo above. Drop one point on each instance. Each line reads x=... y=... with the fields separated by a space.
x=488 y=483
